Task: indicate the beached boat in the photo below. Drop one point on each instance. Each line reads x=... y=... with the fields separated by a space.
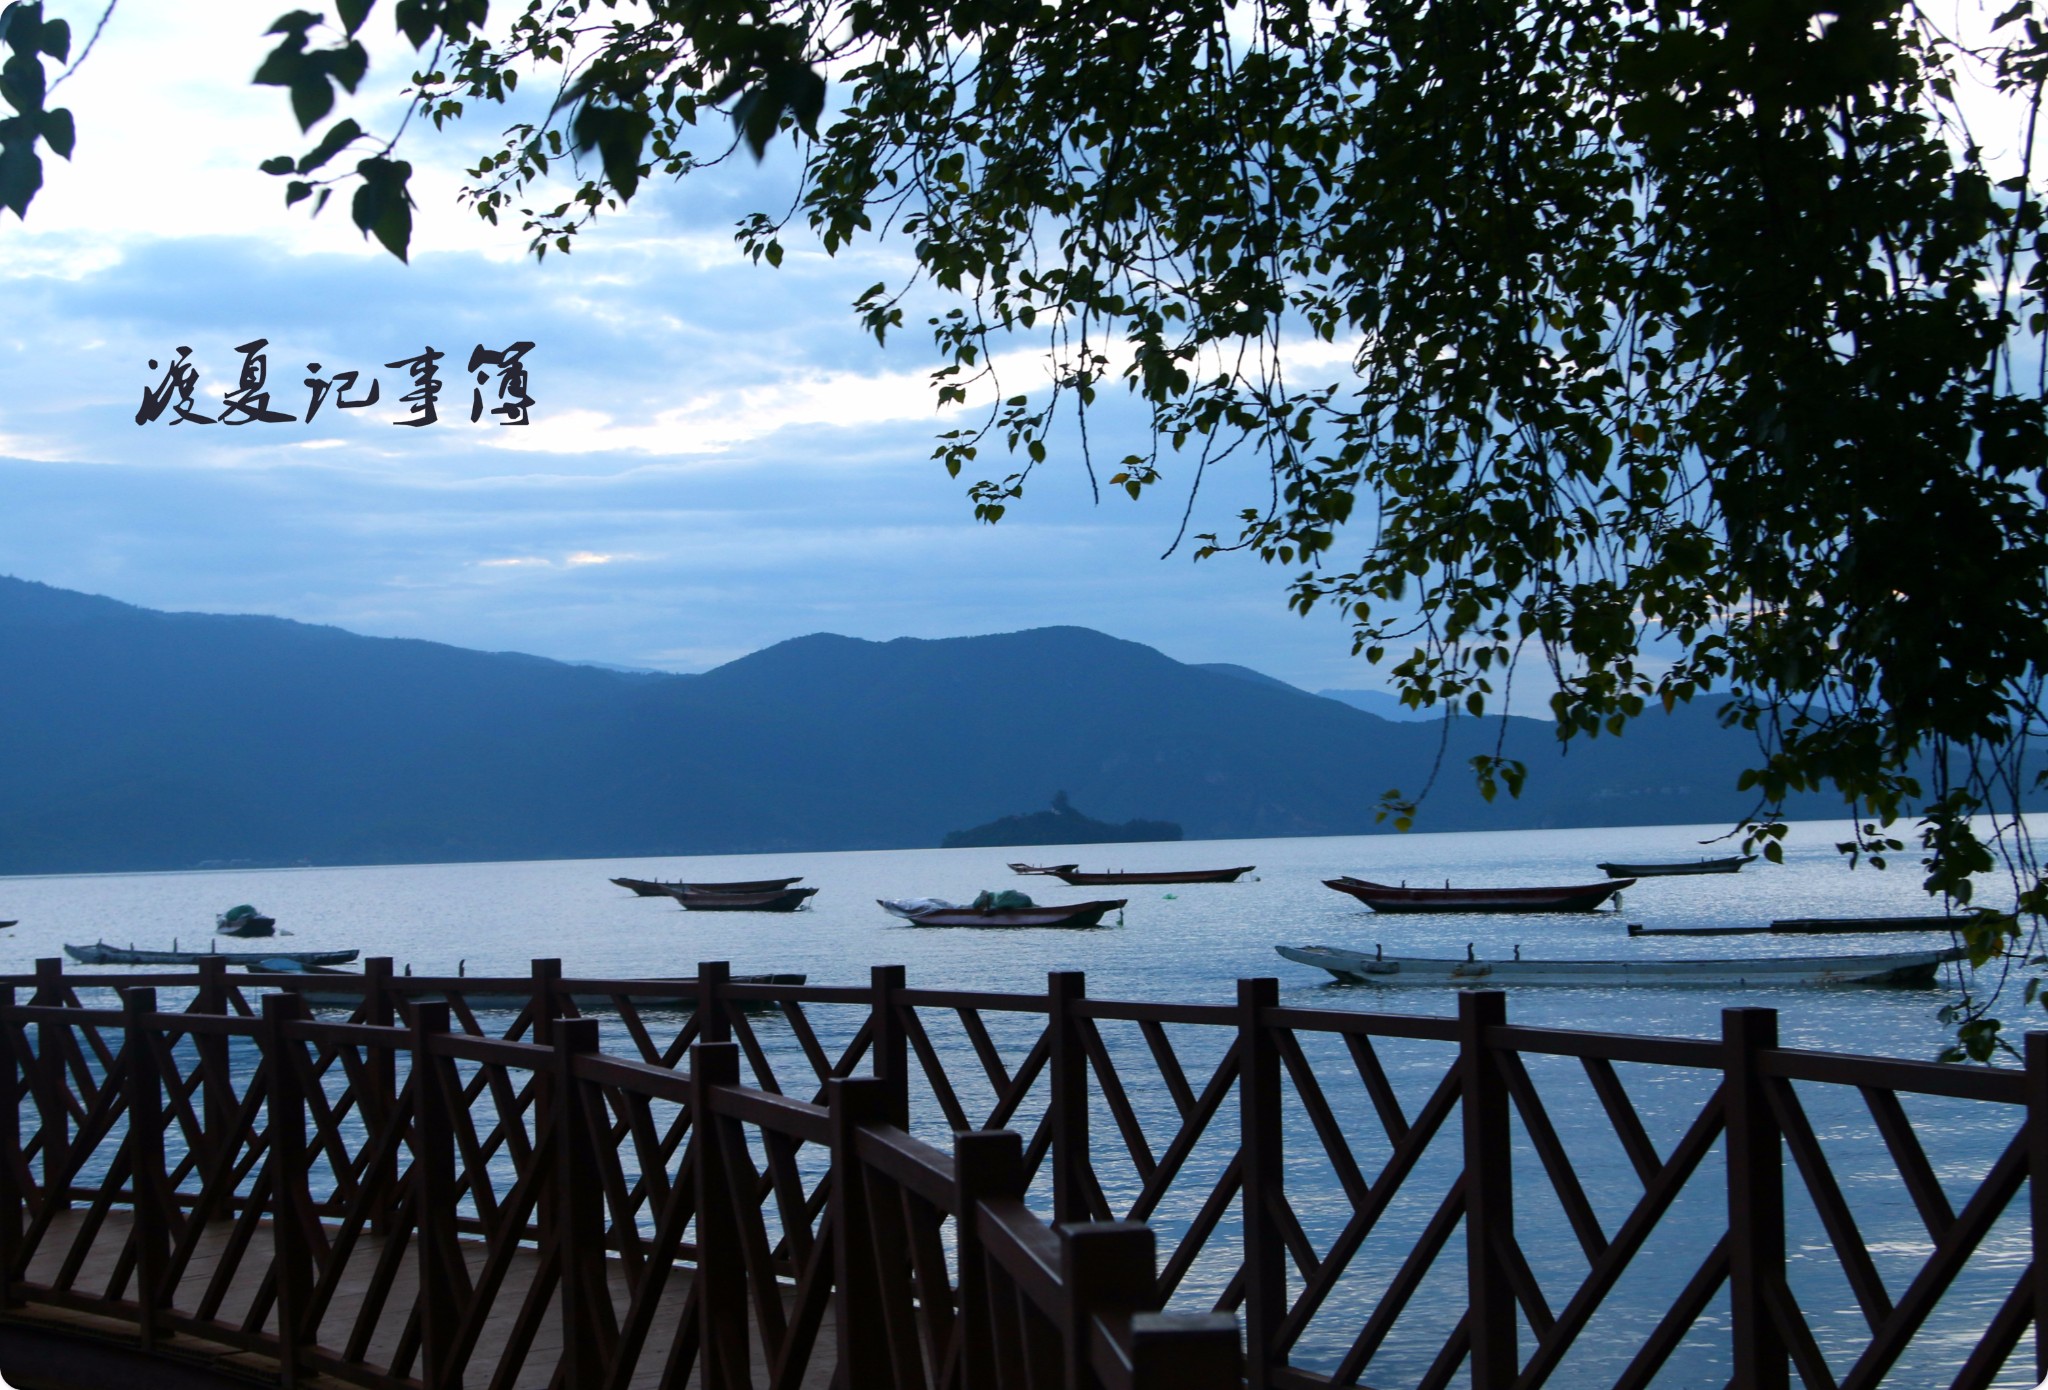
x=1910 y=968
x=698 y=899
x=1037 y=915
x=1042 y=868
x=1730 y=865
x=1381 y=897
x=100 y=953
x=655 y=888
x=1812 y=926
x=1074 y=877
x=244 y=921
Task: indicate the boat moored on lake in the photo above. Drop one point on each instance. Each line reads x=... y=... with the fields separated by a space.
x=656 y=888
x=1042 y=868
x=1068 y=874
x=1907 y=969
x=1383 y=897
x=100 y=953
x=699 y=899
x=922 y=913
x=1732 y=864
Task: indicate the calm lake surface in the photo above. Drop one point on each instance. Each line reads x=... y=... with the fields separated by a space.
x=1185 y=943
x=1190 y=944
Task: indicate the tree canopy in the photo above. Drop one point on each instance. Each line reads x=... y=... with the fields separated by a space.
x=1687 y=346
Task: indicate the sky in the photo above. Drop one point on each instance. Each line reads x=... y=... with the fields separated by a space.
x=718 y=459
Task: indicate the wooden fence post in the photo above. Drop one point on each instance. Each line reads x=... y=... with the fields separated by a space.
x=2037 y=1188
x=590 y=1326
x=1756 y=1202
x=53 y=1120
x=11 y=1194
x=1106 y=1267
x=1185 y=1351
x=1067 y=1102
x=380 y=1095
x=714 y=1025
x=142 y=1090
x=892 y=1044
x=547 y=987
x=861 y=1324
x=442 y=1272
x=285 y=1125
x=1489 y=1193
x=1262 y=1167
x=721 y=1259
x=218 y=1107
x=988 y=1165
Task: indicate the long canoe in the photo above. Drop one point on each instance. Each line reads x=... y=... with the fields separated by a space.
x=1042 y=915
x=1910 y=969
x=318 y=987
x=1730 y=865
x=1076 y=878
x=779 y=900
x=1042 y=868
x=100 y=953
x=1382 y=897
x=1812 y=926
x=655 y=888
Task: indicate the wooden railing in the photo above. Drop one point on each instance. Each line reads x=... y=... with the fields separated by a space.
x=461 y=1185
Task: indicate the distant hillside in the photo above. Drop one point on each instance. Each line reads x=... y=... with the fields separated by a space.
x=1062 y=825
x=1380 y=702
x=144 y=740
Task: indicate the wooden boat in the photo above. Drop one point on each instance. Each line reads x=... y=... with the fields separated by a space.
x=655 y=888
x=1730 y=865
x=1812 y=926
x=1381 y=897
x=705 y=900
x=100 y=953
x=244 y=921
x=10 y=922
x=1044 y=869
x=315 y=987
x=1067 y=874
x=1040 y=915
x=1909 y=969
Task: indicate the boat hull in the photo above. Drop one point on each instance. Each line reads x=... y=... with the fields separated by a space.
x=786 y=900
x=654 y=888
x=246 y=928
x=1042 y=868
x=1077 y=879
x=1044 y=915
x=1381 y=897
x=1812 y=926
x=1731 y=865
x=100 y=953
x=1912 y=969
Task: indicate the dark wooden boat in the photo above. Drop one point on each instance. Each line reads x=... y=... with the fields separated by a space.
x=654 y=888
x=1910 y=970
x=1812 y=926
x=1042 y=869
x=100 y=953
x=1040 y=915
x=1730 y=865
x=1074 y=877
x=698 y=899
x=1381 y=897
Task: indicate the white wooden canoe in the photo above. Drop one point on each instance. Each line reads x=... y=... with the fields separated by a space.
x=1362 y=967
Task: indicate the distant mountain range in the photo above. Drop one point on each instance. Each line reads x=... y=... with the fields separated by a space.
x=136 y=739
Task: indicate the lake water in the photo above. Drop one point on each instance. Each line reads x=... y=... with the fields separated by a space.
x=1190 y=944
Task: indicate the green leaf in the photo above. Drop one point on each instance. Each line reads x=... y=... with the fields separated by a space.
x=56 y=39
x=59 y=132
x=279 y=164
x=340 y=134
x=352 y=13
x=297 y=191
x=383 y=206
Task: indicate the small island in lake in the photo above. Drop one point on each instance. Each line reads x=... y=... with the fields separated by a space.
x=1062 y=825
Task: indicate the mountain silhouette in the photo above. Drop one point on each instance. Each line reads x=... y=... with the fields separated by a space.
x=137 y=739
